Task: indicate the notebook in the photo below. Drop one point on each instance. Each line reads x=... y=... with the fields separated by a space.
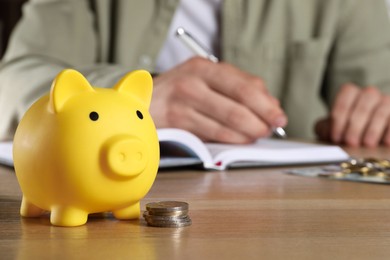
x=182 y=148
x=177 y=143
x=6 y=153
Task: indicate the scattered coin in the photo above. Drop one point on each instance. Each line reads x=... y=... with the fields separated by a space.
x=371 y=170
x=167 y=214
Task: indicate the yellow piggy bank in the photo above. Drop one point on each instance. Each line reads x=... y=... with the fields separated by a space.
x=83 y=149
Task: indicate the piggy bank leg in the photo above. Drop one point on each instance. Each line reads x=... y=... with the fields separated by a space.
x=27 y=209
x=68 y=216
x=131 y=212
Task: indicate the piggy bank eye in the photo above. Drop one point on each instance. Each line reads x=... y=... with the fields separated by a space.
x=140 y=115
x=94 y=116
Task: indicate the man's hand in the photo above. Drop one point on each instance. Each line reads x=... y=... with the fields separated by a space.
x=215 y=101
x=359 y=117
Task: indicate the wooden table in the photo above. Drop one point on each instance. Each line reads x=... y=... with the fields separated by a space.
x=236 y=214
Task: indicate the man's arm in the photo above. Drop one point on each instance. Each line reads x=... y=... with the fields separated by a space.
x=51 y=35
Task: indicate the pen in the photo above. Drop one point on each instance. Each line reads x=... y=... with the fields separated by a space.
x=197 y=48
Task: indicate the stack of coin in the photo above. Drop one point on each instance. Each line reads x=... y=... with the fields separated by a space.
x=167 y=214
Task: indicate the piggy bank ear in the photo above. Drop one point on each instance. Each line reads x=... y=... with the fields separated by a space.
x=139 y=84
x=67 y=84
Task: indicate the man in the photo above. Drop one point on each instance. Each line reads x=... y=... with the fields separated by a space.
x=313 y=62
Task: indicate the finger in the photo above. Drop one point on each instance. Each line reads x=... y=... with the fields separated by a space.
x=274 y=100
x=251 y=92
x=360 y=114
x=342 y=106
x=185 y=117
x=222 y=109
x=378 y=123
x=245 y=89
x=386 y=136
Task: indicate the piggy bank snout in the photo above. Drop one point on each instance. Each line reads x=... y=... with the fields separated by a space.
x=125 y=156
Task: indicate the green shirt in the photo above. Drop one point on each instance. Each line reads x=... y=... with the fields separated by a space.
x=304 y=50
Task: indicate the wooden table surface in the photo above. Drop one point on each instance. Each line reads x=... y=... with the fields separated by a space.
x=236 y=214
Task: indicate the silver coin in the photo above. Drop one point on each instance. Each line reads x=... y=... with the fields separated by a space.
x=170 y=221
x=164 y=218
x=167 y=206
x=182 y=223
x=168 y=213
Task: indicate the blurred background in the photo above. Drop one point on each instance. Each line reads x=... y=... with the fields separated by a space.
x=10 y=12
